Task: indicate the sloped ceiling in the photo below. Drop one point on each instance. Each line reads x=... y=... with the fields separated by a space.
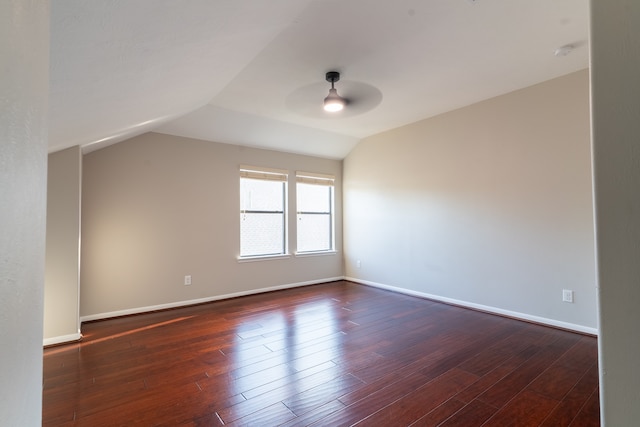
x=252 y=72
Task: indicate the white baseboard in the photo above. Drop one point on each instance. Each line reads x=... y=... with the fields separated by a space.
x=489 y=309
x=63 y=339
x=107 y=315
x=480 y=307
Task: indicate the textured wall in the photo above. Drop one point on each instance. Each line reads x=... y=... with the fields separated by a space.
x=62 y=272
x=615 y=46
x=157 y=207
x=488 y=205
x=24 y=65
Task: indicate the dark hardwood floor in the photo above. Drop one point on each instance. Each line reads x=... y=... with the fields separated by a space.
x=335 y=354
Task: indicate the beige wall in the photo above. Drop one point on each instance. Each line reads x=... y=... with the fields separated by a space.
x=61 y=289
x=615 y=86
x=159 y=207
x=488 y=206
x=24 y=87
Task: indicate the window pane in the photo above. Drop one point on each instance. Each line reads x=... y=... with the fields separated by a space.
x=261 y=195
x=314 y=232
x=315 y=217
x=261 y=234
x=262 y=214
x=313 y=198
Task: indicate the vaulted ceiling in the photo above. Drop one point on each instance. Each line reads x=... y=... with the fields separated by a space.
x=251 y=72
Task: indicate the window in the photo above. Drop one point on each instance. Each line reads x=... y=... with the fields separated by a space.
x=315 y=229
x=263 y=201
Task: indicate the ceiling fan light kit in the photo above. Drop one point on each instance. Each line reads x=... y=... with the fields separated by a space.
x=333 y=102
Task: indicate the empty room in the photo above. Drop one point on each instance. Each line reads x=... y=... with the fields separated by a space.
x=320 y=213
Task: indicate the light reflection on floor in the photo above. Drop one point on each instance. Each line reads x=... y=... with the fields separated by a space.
x=280 y=342
x=89 y=340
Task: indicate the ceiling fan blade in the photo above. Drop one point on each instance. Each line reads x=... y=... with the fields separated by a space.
x=307 y=100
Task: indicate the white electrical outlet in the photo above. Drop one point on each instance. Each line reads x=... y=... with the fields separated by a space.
x=358 y=263
x=567 y=295
x=187 y=280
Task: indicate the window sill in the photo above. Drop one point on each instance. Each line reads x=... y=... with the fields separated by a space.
x=263 y=257
x=318 y=253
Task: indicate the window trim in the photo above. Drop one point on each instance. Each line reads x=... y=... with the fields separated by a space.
x=320 y=180
x=254 y=258
x=267 y=174
x=316 y=253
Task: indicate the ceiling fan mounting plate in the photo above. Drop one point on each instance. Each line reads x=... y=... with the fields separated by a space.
x=333 y=76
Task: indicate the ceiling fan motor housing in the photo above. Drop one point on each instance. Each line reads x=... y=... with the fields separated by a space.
x=333 y=76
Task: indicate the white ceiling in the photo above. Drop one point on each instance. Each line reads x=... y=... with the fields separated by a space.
x=251 y=72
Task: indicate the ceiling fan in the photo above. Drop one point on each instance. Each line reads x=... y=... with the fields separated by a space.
x=355 y=98
x=333 y=102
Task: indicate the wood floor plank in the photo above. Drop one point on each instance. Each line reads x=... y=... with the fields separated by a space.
x=513 y=383
x=493 y=377
x=315 y=397
x=589 y=415
x=556 y=381
x=526 y=409
x=494 y=355
x=441 y=413
x=306 y=392
x=575 y=400
x=273 y=415
x=374 y=401
x=331 y=354
x=325 y=369
x=475 y=413
x=416 y=404
x=318 y=413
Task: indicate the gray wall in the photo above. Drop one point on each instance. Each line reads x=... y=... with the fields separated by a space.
x=488 y=206
x=615 y=85
x=158 y=207
x=62 y=271
x=24 y=47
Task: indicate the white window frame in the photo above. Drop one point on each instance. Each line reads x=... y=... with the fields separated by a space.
x=322 y=180
x=267 y=174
